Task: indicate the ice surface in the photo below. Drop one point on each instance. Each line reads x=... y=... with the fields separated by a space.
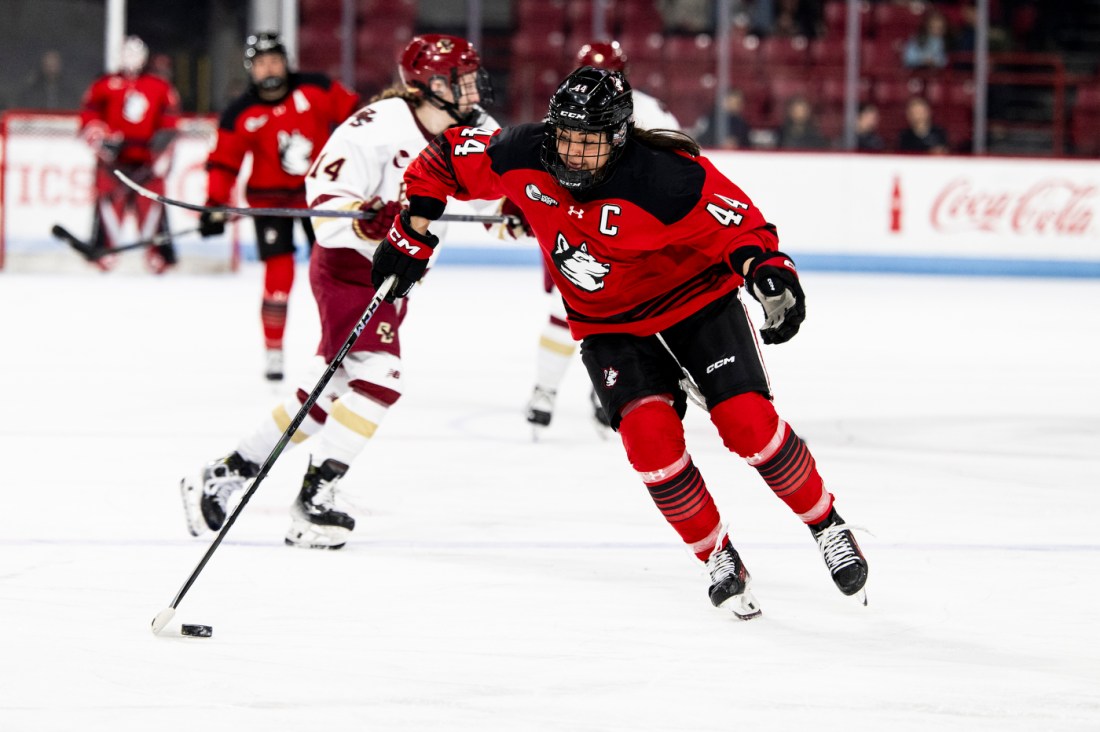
x=497 y=584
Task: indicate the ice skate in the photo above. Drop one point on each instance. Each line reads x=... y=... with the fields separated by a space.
x=273 y=370
x=540 y=410
x=315 y=521
x=730 y=588
x=842 y=556
x=205 y=501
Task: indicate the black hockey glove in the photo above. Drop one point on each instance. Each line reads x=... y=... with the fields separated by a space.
x=211 y=223
x=773 y=281
x=404 y=252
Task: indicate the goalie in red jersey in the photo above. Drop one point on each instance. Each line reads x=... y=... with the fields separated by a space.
x=649 y=246
x=283 y=120
x=129 y=120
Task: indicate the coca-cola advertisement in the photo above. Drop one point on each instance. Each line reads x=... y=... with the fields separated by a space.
x=1047 y=207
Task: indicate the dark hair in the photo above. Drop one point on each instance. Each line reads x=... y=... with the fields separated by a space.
x=666 y=140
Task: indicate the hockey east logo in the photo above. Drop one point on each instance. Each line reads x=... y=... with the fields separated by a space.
x=535 y=194
x=578 y=266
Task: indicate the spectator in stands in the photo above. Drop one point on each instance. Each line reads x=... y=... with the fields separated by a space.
x=799 y=130
x=927 y=49
x=868 y=138
x=796 y=18
x=921 y=136
x=687 y=16
x=47 y=87
x=737 y=129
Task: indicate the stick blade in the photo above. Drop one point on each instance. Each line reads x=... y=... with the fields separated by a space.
x=162 y=619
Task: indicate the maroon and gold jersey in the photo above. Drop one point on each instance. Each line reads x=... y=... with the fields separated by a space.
x=135 y=108
x=283 y=136
x=635 y=254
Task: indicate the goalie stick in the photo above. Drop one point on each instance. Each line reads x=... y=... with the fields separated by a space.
x=320 y=213
x=165 y=616
x=94 y=254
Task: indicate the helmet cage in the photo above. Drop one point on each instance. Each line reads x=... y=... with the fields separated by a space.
x=589 y=100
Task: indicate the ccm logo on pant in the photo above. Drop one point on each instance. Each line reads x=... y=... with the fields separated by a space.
x=720 y=363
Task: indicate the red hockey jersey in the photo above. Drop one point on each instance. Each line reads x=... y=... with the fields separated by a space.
x=636 y=254
x=283 y=136
x=135 y=107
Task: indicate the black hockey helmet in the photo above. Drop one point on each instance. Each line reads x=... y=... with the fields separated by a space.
x=589 y=100
x=259 y=43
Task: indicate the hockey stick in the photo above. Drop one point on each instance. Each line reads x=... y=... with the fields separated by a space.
x=94 y=254
x=165 y=616
x=321 y=213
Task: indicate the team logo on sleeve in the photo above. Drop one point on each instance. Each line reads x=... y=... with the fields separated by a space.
x=535 y=194
x=578 y=266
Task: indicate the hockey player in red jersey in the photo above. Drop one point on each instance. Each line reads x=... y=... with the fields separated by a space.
x=359 y=168
x=129 y=119
x=556 y=346
x=649 y=245
x=283 y=119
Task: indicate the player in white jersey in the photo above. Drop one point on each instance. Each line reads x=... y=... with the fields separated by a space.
x=360 y=167
x=556 y=347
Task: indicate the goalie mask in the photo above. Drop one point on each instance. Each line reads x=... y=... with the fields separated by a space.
x=589 y=121
x=455 y=62
x=259 y=44
x=133 y=56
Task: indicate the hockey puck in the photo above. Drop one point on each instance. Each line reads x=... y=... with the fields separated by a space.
x=197 y=631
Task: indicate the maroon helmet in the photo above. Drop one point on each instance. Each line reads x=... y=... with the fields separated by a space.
x=432 y=55
x=435 y=56
x=603 y=55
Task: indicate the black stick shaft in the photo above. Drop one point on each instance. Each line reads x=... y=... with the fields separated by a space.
x=365 y=318
x=321 y=213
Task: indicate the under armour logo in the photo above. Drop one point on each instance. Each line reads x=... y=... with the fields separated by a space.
x=579 y=213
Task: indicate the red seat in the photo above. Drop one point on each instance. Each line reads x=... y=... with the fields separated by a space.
x=319 y=46
x=579 y=17
x=891 y=91
x=319 y=12
x=697 y=51
x=370 y=11
x=1088 y=98
x=744 y=53
x=894 y=20
x=540 y=15
x=642 y=46
x=634 y=17
x=784 y=51
x=828 y=52
x=835 y=14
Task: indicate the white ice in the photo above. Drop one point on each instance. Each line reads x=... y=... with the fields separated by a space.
x=498 y=584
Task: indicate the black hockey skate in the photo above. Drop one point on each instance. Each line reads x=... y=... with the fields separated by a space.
x=316 y=522
x=842 y=555
x=603 y=422
x=205 y=502
x=730 y=584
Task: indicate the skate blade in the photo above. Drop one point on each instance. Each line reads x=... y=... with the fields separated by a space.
x=192 y=509
x=743 y=606
x=861 y=596
x=305 y=535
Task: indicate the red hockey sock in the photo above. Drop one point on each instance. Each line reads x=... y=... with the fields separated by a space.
x=750 y=427
x=278 y=278
x=654 y=440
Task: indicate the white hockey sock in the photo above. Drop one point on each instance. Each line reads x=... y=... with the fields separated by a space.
x=258 y=445
x=556 y=349
x=351 y=424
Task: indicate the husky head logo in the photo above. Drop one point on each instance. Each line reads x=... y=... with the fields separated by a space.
x=578 y=266
x=295 y=152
